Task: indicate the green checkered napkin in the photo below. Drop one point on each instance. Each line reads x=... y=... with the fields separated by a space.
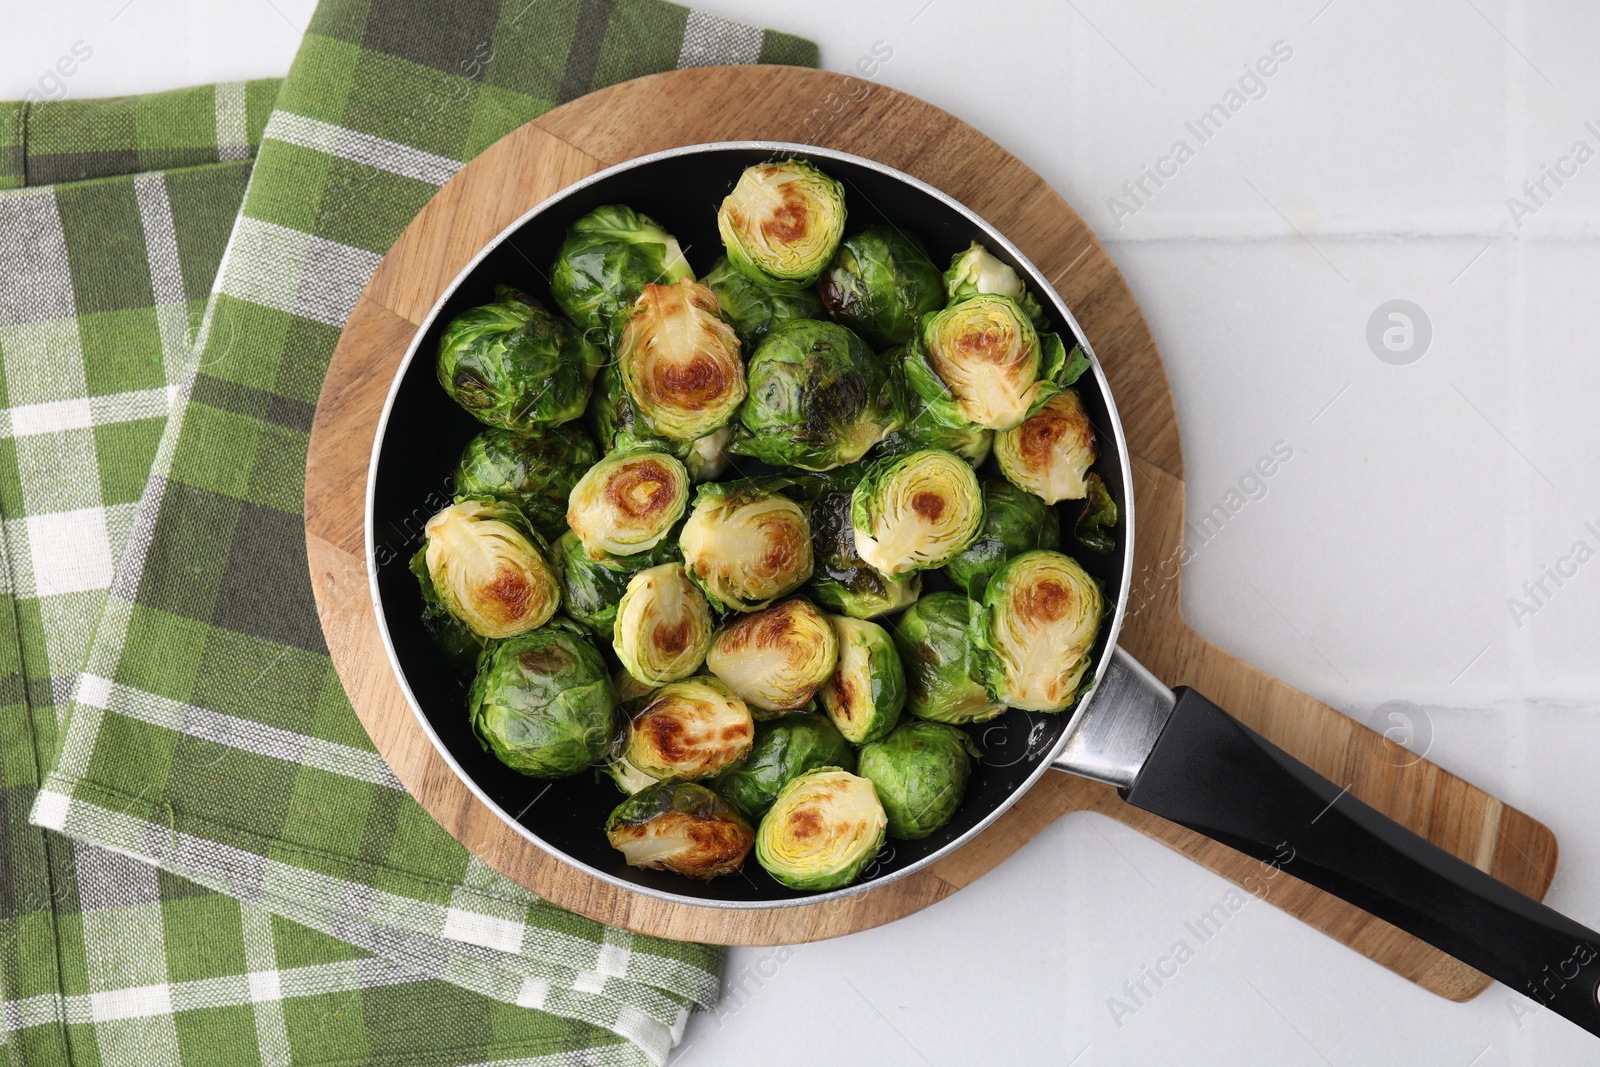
x=263 y=890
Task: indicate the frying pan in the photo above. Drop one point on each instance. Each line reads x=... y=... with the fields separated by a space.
x=1170 y=752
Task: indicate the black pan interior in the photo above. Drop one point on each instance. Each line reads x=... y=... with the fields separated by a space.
x=426 y=432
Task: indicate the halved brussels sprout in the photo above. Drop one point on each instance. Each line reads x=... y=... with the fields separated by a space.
x=629 y=778
x=841 y=581
x=756 y=305
x=924 y=430
x=628 y=502
x=981 y=362
x=680 y=361
x=607 y=259
x=880 y=283
x=488 y=568
x=915 y=511
x=663 y=626
x=618 y=427
x=542 y=702
x=1049 y=455
x=782 y=221
x=746 y=545
x=534 y=473
x=1095 y=521
x=822 y=830
x=920 y=772
x=818 y=399
x=977 y=271
x=868 y=688
x=1014 y=521
x=1035 y=629
x=514 y=365
x=775 y=659
x=689 y=729
x=450 y=635
x=591 y=588
x=935 y=643
x=785 y=748
x=683 y=828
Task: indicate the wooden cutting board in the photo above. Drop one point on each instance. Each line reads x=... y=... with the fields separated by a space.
x=784 y=103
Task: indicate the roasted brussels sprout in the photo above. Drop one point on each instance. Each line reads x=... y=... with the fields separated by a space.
x=785 y=748
x=628 y=502
x=542 y=702
x=822 y=830
x=488 y=568
x=935 y=644
x=868 y=688
x=1049 y=455
x=708 y=457
x=591 y=588
x=841 y=581
x=924 y=430
x=818 y=399
x=514 y=365
x=756 y=305
x=782 y=221
x=534 y=473
x=680 y=827
x=1014 y=521
x=688 y=730
x=977 y=271
x=680 y=361
x=663 y=626
x=1095 y=521
x=451 y=636
x=879 y=284
x=980 y=362
x=629 y=778
x=915 y=511
x=619 y=428
x=1035 y=629
x=775 y=659
x=746 y=545
x=607 y=259
x=920 y=772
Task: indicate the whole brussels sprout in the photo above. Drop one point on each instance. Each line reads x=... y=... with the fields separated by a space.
x=487 y=568
x=746 y=544
x=916 y=511
x=663 y=626
x=1095 y=521
x=818 y=399
x=756 y=305
x=977 y=271
x=822 y=830
x=542 y=702
x=1013 y=521
x=451 y=636
x=775 y=659
x=924 y=430
x=935 y=643
x=680 y=361
x=534 y=473
x=782 y=221
x=514 y=365
x=607 y=259
x=690 y=729
x=1050 y=454
x=868 y=688
x=920 y=772
x=784 y=748
x=841 y=581
x=629 y=778
x=592 y=588
x=879 y=284
x=683 y=828
x=628 y=502
x=980 y=362
x=1034 y=631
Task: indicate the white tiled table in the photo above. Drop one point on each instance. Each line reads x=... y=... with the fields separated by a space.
x=1374 y=164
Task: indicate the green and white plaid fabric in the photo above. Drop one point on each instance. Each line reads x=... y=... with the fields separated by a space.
x=247 y=881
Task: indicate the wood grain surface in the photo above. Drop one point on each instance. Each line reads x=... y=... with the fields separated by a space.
x=781 y=103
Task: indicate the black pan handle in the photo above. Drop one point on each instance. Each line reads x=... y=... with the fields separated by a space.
x=1213 y=774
